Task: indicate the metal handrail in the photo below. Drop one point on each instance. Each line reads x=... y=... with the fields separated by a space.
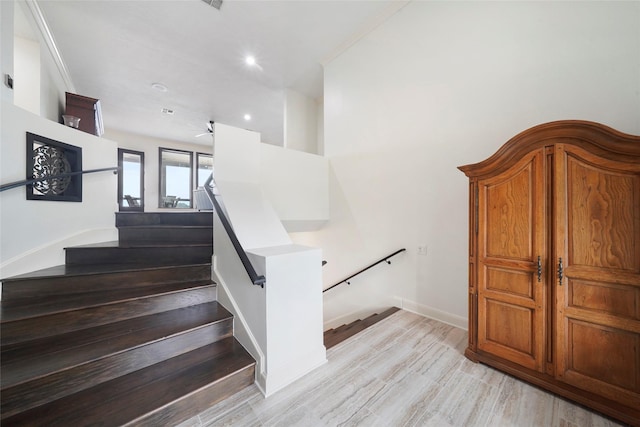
x=255 y=279
x=16 y=184
x=385 y=259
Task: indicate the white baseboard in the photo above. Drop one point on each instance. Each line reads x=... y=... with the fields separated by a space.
x=405 y=304
x=52 y=253
x=434 y=313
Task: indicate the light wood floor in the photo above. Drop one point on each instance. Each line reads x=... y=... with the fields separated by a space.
x=403 y=371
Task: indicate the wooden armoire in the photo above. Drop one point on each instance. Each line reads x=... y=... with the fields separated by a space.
x=554 y=263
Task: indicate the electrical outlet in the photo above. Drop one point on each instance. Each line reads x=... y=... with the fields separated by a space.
x=422 y=249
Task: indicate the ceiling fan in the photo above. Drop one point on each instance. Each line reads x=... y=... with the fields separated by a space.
x=209 y=129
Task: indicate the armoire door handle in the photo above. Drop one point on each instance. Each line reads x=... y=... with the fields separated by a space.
x=539 y=268
x=560 y=271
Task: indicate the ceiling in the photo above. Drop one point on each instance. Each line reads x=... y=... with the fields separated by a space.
x=116 y=50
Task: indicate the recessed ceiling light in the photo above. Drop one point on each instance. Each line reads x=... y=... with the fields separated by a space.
x=250 y=60
x=159 y=87
x=247 y=117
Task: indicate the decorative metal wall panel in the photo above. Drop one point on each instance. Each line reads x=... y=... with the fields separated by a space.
x=53 y=164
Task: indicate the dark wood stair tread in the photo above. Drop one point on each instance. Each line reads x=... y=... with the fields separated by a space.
x=23 y=309
x=25 y=361
x=62 y=281
x=70 y=270
x=333 y=337
x=175 y=253
x=162 y=394
x=165 y=227
x=124 y=245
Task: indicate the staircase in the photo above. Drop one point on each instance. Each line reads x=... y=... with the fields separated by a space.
x=125 y=333
x=333 y=337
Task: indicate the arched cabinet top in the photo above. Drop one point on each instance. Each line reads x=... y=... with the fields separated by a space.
x=591 y=136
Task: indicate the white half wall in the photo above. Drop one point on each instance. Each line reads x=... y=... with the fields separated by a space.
x=237 y=166
x=280 y=324
x=295 y=184
x=33 y=231
x=439 y=85
x=251 y=215
x=293 y=312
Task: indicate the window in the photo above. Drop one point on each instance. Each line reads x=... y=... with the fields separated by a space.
x=131 y=180
x=204 y=164
x=176 y=169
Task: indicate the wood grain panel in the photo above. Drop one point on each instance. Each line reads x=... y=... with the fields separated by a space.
x=514 y=282
x=616 y=360
x=510 y=325
x=598 y=237
x=608 y=298
x=567 y=192
x=511 y=237
x=509 y=211
x=601 y=207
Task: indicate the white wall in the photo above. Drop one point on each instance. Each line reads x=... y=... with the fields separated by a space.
x=34 y=232
x=150 y=147
x=294 y=183
x=6 y=47
x=300 y=122
x=297 y=186
x=320 y=125
x=26 y=67
x=237 y=165
x=438 y=85
x=39 y=85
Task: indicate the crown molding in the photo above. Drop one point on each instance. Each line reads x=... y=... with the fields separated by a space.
x=33 y=8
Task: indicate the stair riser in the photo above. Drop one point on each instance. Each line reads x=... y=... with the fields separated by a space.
x=92 y=346
x=132 y=236
x=195 y=403
x=68 y=321
x=65 y=285
x=152 y=390
x=124 y=219
x=47 y=388
x=152 y=255
x=334 y=337
x=26 y=361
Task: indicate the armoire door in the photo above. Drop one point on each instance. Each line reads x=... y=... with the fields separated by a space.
x=511 y=253
x=598 y=285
